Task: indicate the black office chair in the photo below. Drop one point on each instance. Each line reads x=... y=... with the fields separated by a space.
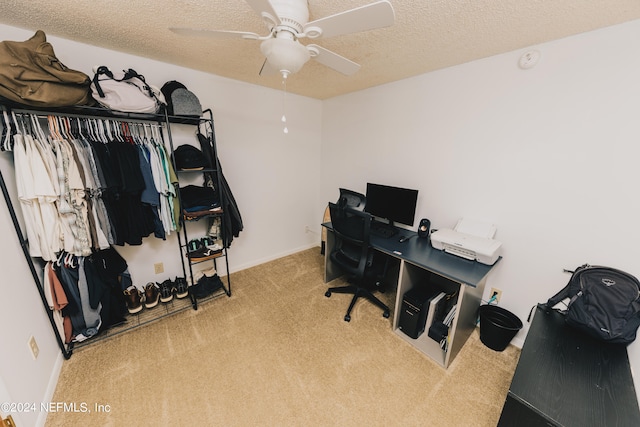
x=347 y=198
x=352 y=199
x=353 y=254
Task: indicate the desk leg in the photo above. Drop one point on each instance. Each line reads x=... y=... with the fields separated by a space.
x=464 y=322
x=331 y=271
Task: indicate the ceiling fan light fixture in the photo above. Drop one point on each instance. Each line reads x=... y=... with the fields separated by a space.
x=285 y=55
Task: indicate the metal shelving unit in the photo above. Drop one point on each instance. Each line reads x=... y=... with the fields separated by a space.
x=36 y=264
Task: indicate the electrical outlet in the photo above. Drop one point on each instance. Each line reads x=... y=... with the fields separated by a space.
x=158 y=267
x=497 y=292
x=33 y=346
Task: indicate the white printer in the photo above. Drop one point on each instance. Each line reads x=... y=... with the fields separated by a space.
x=469 y=239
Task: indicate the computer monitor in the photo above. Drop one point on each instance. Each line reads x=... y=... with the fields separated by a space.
x=391 y=203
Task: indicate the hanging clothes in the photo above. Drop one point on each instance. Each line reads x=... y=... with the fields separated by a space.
x=232 y=219
x=87 y=184
x=57 y=301
x=106 y=271
x=37 y=195
x=86 y=292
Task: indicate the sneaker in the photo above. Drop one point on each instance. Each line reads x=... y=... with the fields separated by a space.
x=181 y=287
x=208 y=273
x=209 y=243
x=133 y=298
x=204 y=254
x=151 y=295
x=207 y=285
x=166 y=291
x=194 y=245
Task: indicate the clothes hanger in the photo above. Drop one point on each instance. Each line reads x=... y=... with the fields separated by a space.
x=126 y=132
x=18 y=124
x=37 y=132
x=118 y=131
x=156 y=131
x=53 y=129
x=92 y=130
x=23 y=124
x=60 y=127
x=108 y=129
x=133 y=131
x=70 y=261
x=102 y=135
x=7 y=144
x=66 y=126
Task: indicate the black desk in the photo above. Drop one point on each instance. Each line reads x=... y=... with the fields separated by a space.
x=422 y=265
x=566 y=378
x=419 y=252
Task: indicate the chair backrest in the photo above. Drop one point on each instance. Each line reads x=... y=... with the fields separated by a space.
x=352 y=199
x=350 y=224
x=352 y=229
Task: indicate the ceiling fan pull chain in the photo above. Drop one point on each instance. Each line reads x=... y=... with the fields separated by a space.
x=284 y=102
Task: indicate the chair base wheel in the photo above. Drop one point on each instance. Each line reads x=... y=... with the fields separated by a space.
x=386 y=314
x=327 y=294
x=347 y=318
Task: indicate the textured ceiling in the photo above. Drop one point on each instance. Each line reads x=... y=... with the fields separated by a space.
x=427 y=35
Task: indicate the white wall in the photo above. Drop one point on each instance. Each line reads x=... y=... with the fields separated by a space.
x=22 y=316
x=549 y=154
x=274 y=178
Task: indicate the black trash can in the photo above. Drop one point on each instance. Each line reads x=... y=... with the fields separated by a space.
x=497 y=326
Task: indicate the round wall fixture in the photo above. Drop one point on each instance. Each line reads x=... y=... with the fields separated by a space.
x=529 y=59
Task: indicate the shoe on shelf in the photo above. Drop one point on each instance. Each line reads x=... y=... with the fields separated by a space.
x=133 y=298
x=207 y=241
x=194 y=245
x=151 y=295
x=210 y=243
x=180 y=287
x=207 y=285
x=203 y=254
x=216 y=247
x=166 y=291
x=202 y=273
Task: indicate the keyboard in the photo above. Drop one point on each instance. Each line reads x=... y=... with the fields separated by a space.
x=381 y=229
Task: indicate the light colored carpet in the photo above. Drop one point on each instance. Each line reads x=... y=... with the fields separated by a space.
x=278 y=353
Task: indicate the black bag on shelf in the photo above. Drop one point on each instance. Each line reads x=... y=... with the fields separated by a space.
x=603 y=301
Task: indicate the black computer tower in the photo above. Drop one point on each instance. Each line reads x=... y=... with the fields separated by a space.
x=413 y=313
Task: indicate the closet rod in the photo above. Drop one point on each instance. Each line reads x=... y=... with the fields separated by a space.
x=36 y=278
x=84 y=111
x=44 y=115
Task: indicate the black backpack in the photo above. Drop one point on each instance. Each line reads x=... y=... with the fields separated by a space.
x=603 y=301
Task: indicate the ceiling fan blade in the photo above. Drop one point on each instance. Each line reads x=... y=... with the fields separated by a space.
x=264 y=6
x=333 y=60
x=375 y=15
x=215 y=34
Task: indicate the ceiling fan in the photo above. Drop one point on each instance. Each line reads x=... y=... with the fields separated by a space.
x=288 y=22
